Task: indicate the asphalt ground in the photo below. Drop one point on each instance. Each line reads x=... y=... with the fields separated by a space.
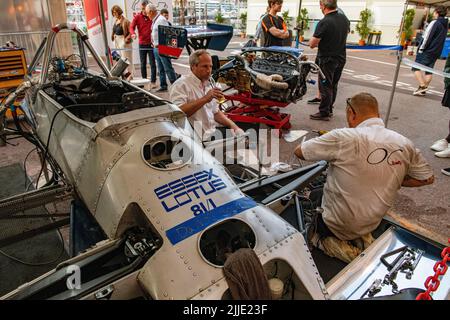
x=422 y=119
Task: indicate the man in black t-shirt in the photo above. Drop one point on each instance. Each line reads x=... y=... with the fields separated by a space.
x=330 y=37
x=274 y=27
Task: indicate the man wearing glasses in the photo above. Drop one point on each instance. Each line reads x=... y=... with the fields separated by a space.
x=367 y=165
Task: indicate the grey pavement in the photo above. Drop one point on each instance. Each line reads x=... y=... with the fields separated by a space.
x=421 y=119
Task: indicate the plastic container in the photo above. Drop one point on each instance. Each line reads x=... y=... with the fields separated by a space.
x=276 y=288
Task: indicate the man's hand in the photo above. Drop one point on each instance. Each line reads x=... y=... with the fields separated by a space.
x=314 y=42
x=298 y=152
x=282 y=34
x=237 y=131
x=133 y=36
x=214 y=93
x=413 y=183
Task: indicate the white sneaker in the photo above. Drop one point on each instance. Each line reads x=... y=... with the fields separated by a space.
x=446 y=171
x=443 y=154
x=440 y=145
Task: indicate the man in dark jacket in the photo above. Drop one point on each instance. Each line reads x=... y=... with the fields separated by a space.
x=430 y=48
x=330 y=38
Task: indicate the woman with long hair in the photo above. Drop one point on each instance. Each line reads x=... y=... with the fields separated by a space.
x=122 y=37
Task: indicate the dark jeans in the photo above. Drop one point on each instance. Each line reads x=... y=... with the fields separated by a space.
x=448 y=137
x=165 y=68
x=332 y=69
x=144 y=50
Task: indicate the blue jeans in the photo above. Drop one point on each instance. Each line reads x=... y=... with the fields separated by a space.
x=164 y=67
x=144 y=50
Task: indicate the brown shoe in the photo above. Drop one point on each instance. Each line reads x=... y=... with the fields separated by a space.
x=319 y=116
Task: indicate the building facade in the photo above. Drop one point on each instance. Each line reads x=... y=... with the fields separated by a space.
x=386 y=16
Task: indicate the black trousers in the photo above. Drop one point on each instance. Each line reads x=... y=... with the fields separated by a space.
x=332 y=69
x=144 y=50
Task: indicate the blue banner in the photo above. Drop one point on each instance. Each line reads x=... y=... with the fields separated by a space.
x=368 y=47
x=202 y=221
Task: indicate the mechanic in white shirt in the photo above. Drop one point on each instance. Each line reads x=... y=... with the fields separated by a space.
x=164 y=63
x=196 y=96
x=367 y=166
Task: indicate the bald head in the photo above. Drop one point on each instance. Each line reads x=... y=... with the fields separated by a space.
x=361 y=107
x=364 y=103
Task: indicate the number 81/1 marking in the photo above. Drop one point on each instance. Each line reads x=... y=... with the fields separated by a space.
x=202 y=208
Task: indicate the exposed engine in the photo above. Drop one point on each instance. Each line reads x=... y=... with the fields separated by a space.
x=92 y=97
x=266 y=73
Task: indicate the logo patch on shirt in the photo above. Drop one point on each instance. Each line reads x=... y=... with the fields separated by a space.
x=380 y=155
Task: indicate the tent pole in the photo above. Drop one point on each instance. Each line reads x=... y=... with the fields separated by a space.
x=105 y=39
x=397 y=69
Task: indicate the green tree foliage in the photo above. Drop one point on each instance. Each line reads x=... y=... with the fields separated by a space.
x=219 y=17
x=362 y=27
x=286 y=18
x=407 y=24
x=243 y=18
x=303 y=21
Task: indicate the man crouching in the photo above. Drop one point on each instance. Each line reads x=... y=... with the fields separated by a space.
x=368 y=165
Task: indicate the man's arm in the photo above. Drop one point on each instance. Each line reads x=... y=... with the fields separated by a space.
x=193 y=106
x=282 y=34
x=219 y=117
x=414 y=183
x=298 y=152
x=132 y=27
x=314 y=42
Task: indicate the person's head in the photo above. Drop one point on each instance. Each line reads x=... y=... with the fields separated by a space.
x=151 y=11
x=361 y=107
x=144 y=4
x=328 y=5
x=440 y=11
x=116 y=11
x=201 y=64
x=165 y=13
x=274 y=5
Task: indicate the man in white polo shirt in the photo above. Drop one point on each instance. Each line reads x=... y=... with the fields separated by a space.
x=196 y=96
x=368 y=165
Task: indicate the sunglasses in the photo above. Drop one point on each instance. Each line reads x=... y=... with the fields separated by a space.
x=350 y=105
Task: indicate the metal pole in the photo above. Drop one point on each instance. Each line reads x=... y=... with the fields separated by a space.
x=397 y=69
x=105 y=38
